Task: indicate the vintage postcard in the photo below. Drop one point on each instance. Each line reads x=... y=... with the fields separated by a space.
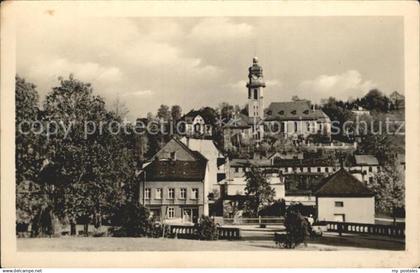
x=210 y=134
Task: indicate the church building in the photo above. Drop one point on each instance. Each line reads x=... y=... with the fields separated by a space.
x=293 y=119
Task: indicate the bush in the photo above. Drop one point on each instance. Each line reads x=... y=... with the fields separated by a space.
x=133 y=221
x=206 y=229
x=297 y=227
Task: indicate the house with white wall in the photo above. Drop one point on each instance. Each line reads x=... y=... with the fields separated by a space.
x=343 y=198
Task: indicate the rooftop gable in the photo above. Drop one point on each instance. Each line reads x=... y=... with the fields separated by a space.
x=343 y=184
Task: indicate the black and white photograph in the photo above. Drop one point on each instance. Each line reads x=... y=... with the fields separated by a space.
x=281 y=134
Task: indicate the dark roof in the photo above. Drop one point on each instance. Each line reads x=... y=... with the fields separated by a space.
x=366 y=160
x=168 y=170
x=293 y=110
x=343 y=184
x=190 y=116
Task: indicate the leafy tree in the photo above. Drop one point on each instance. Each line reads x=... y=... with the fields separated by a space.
x=226 y=111
x=163 y=112
x=29 y=150
x=91 y=168
x=176 y=112
x=258 y=191
x=28 y=144
x=339 y=114
x=119 y=108
x=375 y=100
x=389 y=188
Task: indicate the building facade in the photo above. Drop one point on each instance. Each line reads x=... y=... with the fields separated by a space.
x=343 y=198
x=174 y=184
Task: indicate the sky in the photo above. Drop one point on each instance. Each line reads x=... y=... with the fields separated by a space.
x=203 y=61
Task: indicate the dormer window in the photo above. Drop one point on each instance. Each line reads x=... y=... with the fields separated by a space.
x=293 y=112
x=269 y=112
x=173 y=155
x=306 y=112
x=281 y=112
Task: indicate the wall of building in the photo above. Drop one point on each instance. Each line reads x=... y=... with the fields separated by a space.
x=237 y=185
x=355 y=209
x=300 y=127
x=177 y=185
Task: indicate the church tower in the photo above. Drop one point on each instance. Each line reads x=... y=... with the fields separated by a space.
x=255 y=87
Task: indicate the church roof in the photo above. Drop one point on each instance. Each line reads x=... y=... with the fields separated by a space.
x=343 y=184
x=293 y=110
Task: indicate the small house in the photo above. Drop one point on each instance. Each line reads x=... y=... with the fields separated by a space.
x=343 y=198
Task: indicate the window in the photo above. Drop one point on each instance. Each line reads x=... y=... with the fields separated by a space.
x=171 y=212
x=147 y=193
x=171 y=193
x=370 y=169
x=281 y=112
x=339 y=204
x=308 y=126
x=194 y=193
x=296 y=126
x=183 y=194
x=158 y=193
x=319 y=169
x=255 y=94
x=236 y=169
x=370 y=179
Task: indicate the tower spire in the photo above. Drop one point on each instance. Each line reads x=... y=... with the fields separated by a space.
x=255 y=87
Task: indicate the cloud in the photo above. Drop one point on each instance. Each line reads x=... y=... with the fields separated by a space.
x=341 y=86
x=273 y=83
x=139 y=93
x=220 y=29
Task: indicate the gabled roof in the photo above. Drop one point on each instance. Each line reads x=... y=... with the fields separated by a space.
x=343 y=184
x=176 y=170
x=191 y=115
x=194 y=154
x=293 y=110
x=205 y=147
x=369 y=160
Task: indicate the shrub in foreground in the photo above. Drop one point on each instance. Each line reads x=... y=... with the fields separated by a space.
x=206 y=229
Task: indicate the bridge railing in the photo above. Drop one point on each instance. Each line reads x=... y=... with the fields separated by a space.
x=250 y=221
x=397 y=231
x=190 y=232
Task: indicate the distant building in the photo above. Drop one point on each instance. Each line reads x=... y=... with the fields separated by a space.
x=365 y=167
x=240 y=131
x=397 y=100
x=174 y=184
x=197 y=125
x=296 y=119
x=343 y=198
x=360 y=111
